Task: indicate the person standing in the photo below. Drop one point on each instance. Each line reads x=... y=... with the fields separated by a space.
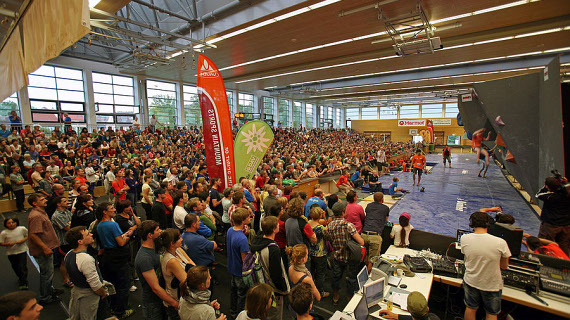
x=158 y=211
x=354 y=211
x=15 y=121
x=238 y=248
x=555 y=225
x=418 y=166
x=120 y=187
x=17 y=183
x=43 y=240
x=446 y=156
x=67 y=123
x=84 y=273
x=14 y=238
x=147 y=264
x=485 y=256
x=319 y=199
x=376 y=217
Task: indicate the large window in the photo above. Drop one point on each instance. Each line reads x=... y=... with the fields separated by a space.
x=337 y=117
x=451 y=110
x=432 y=110
x=54 y=91
x=7 y=106
x=231 y=103
x=297 y=106
x=114 y=98
x=369 y=113
x=192 y=106
x=322 y=112
x=329 y=112
x=309 y=118
x=162 y=101
x=245 y=102
x=409 y=112
x=269 y=105
x=352 y=114
x=390 y=112
x=283 y=106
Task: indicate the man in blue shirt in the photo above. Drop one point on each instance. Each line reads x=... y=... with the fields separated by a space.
x=4 y=132
x=194 y=205
x=237 y=250
x=198 y=248
x=318 y=199
x=114 y=262
x=356 y=179
x=394 y=191
x=67 y=121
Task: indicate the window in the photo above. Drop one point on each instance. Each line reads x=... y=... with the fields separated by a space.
x=283 y=106
x=409 y=112
x=329 y=112
x=231 y=104
x=352 y=114
x=369 y=113
x=54 y=91
x=451 y=110
x=162 y=101
x=322 y=112
x=297 y=105
x=192 y=110
x=432 y=110
x=245 y=102
x=309 y=119
x=389 y=112
x=268 y=105
x=337 y=116
x=7 y=106
x=114 y=95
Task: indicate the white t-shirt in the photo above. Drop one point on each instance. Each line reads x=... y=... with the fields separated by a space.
x=178 y=215
x=396 y=234
x=12 y=236
x=483 y=253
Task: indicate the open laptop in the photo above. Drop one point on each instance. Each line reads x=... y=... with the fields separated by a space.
x=362 y=279
x=460 y=232
x=374 y=294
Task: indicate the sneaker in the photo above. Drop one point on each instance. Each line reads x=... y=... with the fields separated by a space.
x=133 y=289
x=128 y=313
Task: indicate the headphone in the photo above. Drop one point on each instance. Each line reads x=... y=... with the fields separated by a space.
x=485 y=224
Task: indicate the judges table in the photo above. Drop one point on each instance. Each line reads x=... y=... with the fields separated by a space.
x=557 y=304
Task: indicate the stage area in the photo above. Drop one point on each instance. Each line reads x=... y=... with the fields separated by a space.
x=452 y=194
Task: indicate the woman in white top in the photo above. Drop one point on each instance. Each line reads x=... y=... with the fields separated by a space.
x=226 y=204
x=109 y=178
x=173 y=266
x=147 y=196
x=402 y=231
x=179 y=201
x=14 y=238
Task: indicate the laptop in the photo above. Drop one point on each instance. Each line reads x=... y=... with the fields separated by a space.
x=362 y=279
x=460 y=232
x=374 y=294
x=361 y=311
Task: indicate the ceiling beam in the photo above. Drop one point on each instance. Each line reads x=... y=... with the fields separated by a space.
x=159 y=9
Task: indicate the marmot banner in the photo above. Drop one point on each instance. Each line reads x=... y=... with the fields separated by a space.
x=252 y=141
x=216 y=122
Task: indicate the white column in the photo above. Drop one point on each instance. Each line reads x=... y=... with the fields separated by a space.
x=90 y=113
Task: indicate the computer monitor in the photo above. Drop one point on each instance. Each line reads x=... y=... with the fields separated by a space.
x=511 y=234
x=374 y=292
x=361 y=311
x=460 y=232
x=362 y=278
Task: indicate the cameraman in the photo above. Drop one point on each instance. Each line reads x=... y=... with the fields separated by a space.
x=555 y=215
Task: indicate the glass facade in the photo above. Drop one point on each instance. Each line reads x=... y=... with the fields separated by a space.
x=309 y=118
x=114 y=98
x=432 y=110
x=451 y=110
x=369 y=113
x=7 y=106
x=297 y=117
x=192 y=113
x=409 y=111
x=245 y=102
x=283 y=106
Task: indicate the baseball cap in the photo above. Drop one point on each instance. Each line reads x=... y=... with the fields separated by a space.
x=417 y=305
x=407 y=215
x=338 y=208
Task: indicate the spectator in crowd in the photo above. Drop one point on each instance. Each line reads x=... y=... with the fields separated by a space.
x=196 y=246
x=301 y=301
x=84 y=213
x=318 y=251
x=544 y=246
x=147 y=264
x=318 y=198
x=401 y=232
x=338 y=230
x=15 y=121
x=179 y=201
x=297 y=228
x=195 y=206
x=376 y=217
x=237 y=249
x=258 y=303
x=57 y=191
x=417 y=307
x=43 y=240
x=14 y=238
x=84 y=272
x=147 y=196
x=354 y=211
x=17 y=183
x=298 y=272
x=373 y=183
x=195 y=303
x=343 y=184
x=61 y=221
x=21 y=305
x=394 y=191
x=128 y=220
x=226 y=204
x=158 y=211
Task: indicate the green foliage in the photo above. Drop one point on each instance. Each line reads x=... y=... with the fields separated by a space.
x=8 y=106
x=164 y=107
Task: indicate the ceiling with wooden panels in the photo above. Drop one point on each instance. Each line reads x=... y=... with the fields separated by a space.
x=357 y=68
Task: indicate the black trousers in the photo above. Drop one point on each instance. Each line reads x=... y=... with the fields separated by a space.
x=20 y=198
x=19 y=264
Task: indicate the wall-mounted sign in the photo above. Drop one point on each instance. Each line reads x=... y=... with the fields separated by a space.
x=412 y=123
x=413 y=132
x=466 y=97
x=441 y=122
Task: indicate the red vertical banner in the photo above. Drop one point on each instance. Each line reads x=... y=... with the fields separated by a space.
x=216 y=122
x=429 y=125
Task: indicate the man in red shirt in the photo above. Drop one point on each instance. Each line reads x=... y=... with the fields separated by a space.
x=120 y=186
x=544 y=246
x=476 y=144
x=342 y=184
x=418 y=165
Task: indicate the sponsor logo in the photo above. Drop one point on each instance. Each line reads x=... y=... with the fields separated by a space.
x=207 y=71
x=412 y=123
x=466 y=97
x=441 y=122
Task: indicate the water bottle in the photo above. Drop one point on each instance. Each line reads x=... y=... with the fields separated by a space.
x=390 y=303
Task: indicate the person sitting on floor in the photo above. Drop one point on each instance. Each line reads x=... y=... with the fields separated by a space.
x=544 y=246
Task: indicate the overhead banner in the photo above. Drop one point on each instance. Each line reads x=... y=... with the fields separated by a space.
x=217 y=127
x=412 y=123
x=251 y=143
x=429 y=125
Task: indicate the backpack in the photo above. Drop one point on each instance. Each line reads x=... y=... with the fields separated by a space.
x=357 y=253
x=252 y=270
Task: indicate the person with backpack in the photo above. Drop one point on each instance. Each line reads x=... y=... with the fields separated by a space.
x=237 y=250
x=339 y=230
x=271 y=263
x=297 y=228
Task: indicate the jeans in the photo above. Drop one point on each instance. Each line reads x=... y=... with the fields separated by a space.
x=358 y=182
x=172 y=313
x=237 y=296
x=318 y=270
x=153 y=310
x=132 y=197
x=338 y=269
x=19 y=264
x=491 y=300
x=46 y=276
x=119 y=276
